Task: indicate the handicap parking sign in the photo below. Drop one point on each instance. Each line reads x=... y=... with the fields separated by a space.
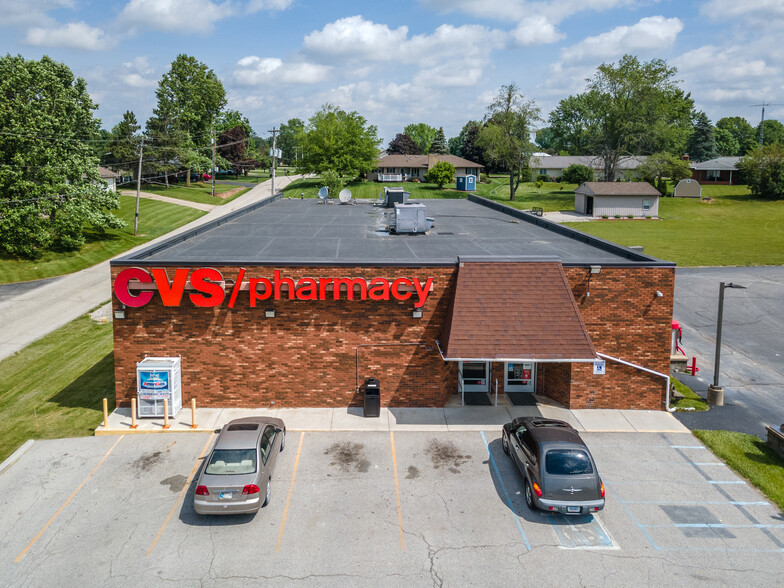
x=599 y=367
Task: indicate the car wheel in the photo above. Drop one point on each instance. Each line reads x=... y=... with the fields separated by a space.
x=529 y=497
x=283 y=439
x=269 y=493
x=505 y=444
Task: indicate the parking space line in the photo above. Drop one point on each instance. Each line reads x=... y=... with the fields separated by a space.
x=581 y=537
x=726 y=482
x=506 y=494
x=633 y=518
x=180 y=495
x=291 y=490
x=716 y=526
x=397 y=491
x=693 y=502
x=70 y=498
x=687 y=446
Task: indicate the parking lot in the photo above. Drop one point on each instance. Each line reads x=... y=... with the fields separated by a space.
x=401 y=508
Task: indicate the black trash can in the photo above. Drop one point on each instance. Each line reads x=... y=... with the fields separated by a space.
x=372 y=398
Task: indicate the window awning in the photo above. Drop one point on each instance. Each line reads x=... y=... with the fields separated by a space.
x=515 y=311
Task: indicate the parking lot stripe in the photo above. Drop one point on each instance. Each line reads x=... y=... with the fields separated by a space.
x=180 y=494
x=687 y=446
x=397 y=491
x=726 y=482
x=288 y=497
x=691 y=502
x=70 y=498
x=633 y=518
x=506 y=494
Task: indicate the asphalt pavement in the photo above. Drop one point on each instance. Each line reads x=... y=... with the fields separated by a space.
x=752 y=352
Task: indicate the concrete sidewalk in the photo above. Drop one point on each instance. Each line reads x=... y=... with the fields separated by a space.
x=450 y=418
x=35 y=312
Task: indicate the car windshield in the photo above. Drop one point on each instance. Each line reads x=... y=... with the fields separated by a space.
x=231 y=461
x=567 y=462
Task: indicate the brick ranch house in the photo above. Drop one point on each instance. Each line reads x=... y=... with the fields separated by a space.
x=409 y=167
x=721 y=170
x=295 y=303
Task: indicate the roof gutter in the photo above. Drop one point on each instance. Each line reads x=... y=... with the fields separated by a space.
x=513 y=359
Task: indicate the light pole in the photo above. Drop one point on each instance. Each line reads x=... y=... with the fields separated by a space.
x=716 y=392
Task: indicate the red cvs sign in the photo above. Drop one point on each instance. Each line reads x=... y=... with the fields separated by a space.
x=206 y=288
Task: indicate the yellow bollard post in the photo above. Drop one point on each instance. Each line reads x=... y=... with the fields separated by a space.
x=134 y=424
x=193 y=414
x=166 y=424
x=105 y=413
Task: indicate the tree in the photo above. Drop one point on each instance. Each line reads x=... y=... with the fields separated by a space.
x=339 y=141
x=472 y=151
x=233 y=147
x=441 y=173
x=422 y=135
x=123 y=144
x=702 y=143
x=772 y=132
x=545 y=138
x=659 y=166
x=742 y=131
x=50 y=190
x=726 y=143
x=289 y=139
x=192 y=96
x=628 y=108
x=457 y=144
x=438 y=146
x=763 y=169
x=229 y=119
x=505 y=135
x=402 y=144
x=332 y=180
x=577 y=174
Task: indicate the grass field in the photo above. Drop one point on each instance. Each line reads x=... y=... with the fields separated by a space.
x=155 y=219
x=198 y=192
x=751 y=458
x=53 y=388
x=690 y=401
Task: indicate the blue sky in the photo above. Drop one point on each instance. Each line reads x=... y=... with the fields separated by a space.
x=433 y=61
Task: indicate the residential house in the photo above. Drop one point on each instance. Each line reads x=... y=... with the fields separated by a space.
x=398 y=168
x=721 y=170
x=552 y=166
x=598 y=199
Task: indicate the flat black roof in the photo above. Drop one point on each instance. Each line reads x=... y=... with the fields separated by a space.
x=307 y=232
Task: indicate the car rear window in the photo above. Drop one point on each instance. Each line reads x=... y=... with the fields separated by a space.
x=231 y=461
x=567 y=462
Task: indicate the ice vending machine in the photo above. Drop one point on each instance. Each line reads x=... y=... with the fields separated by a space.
x=158 y=378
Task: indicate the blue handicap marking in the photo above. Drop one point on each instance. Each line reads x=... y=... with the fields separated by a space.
x=580 y=532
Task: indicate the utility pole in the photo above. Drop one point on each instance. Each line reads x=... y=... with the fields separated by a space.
x=762 y=122
x=273 y=154
x=213 y=163
x=138 y=189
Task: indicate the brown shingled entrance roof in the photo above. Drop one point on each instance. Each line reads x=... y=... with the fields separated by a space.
x=512 y=311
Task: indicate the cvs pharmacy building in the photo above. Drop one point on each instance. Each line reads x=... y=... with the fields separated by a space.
x=296 y=302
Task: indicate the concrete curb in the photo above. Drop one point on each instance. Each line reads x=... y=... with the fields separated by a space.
x=14 y=457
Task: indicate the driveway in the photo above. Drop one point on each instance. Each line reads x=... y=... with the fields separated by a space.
x=752 y=355
x=381 y=509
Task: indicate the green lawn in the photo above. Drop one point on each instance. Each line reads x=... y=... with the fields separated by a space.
x=62 y=379
x=155 y=219
x=690 y=400
x=198 y=192
x=734 y=229
x=751 y=458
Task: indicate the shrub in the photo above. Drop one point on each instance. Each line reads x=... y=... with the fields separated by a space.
x=539 y=183
x=617 y=216
x=577 y=174
x=604 y=216
x=441 y=173
x=484 y=179
x=630 y=216
x=333 y=182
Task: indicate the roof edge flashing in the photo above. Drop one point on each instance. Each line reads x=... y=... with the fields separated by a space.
x=461 y=259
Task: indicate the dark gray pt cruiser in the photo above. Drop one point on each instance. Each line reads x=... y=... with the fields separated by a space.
x=559 y=472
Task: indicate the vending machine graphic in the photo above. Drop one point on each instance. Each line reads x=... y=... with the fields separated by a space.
x=158 y=379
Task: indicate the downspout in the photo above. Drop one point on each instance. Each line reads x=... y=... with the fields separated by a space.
x=644 y=369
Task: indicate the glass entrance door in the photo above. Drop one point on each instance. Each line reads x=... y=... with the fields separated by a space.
x=520 y=377
x=476 y=375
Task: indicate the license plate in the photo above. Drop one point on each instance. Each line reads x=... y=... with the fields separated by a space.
x=224 y=496
x=573 y=509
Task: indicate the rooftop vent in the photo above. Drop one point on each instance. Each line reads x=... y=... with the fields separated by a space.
x=393 y=196
x=410 y=218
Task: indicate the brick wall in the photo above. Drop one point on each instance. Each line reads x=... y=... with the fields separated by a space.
x=305 y=356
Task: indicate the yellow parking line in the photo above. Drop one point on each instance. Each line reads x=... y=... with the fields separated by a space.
x=288 y=498
x=46 y=526
x=397 y=492
x=180 y=495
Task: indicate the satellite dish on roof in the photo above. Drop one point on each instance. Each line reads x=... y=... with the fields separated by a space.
x=323 y=193
x=345 y=196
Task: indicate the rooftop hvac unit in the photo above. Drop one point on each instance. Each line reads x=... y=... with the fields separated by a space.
x=158 y=378
x=411 y=218
x=394 y=196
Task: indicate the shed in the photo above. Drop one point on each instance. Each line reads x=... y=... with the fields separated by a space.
x=688 y=188
x=597 y=199
x=466 y=183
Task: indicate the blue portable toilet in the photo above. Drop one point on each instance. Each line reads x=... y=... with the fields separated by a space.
x=466 y=183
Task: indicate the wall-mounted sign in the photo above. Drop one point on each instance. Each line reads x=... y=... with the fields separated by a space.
x=599 y=367
x=210 y=288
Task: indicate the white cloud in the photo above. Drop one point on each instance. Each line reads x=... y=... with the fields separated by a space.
x=652 y=32
x=355 y=36
x=254 y=71
x=175 y=16
x=536 y=30
x=16 y=13
x=74 y=35
x=138 y=73
x=516 y=10
x=765 y=12
x=468 y=42
x=257 y=5
x=449 y=75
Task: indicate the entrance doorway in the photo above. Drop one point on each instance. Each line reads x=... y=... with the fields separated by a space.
x=475 y=382
x=589 y=205
x=520 y=383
